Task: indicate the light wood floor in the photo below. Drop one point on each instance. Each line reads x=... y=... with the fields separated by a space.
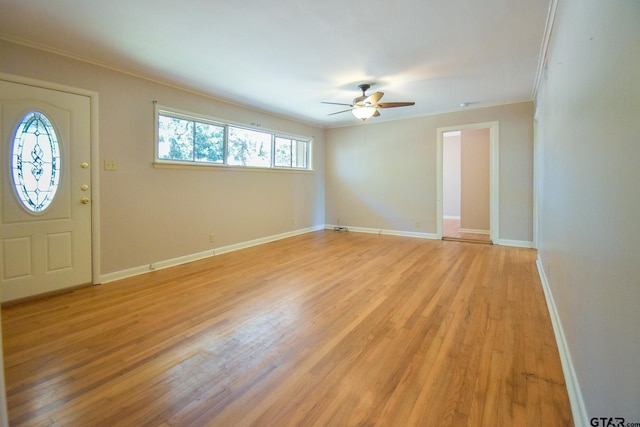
x=322 y=329
x=451 y=230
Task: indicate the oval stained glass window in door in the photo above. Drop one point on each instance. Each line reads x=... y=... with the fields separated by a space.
x=35 y=161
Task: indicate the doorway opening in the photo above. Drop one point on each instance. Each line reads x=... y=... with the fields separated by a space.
x=467 y=202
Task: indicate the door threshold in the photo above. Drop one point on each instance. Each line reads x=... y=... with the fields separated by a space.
x=466 y=240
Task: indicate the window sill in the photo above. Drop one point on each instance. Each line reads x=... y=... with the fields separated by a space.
x=219 y=167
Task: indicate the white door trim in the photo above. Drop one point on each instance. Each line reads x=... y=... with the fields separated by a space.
x=494 y=190
x=536 y=177
x=95 y=160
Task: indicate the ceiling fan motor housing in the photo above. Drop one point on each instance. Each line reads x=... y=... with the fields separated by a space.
x=364 y=87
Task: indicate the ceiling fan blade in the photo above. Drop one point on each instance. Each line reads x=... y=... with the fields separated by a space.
x=395 y=104
x=373 y=98
x=376 y=114
x=359 y=101
x=339 y=112
x=336 y=103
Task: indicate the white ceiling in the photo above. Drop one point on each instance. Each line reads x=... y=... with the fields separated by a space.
x=286 y=56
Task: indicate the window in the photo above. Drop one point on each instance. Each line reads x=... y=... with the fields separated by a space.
x=186 y=138
x=290 y=153
x=35 y=162
x=182 y=139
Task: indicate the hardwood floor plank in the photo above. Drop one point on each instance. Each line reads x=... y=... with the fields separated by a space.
x=320 y=329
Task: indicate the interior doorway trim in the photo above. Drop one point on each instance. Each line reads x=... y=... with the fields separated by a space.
x=494 y=179
x=95 y=159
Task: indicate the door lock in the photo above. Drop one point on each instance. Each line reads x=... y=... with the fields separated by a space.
x=85 y=200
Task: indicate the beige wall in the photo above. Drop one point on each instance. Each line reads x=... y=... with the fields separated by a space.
x=149 y=214
x=475 y=168
x=384 y=175
x=451 y=175
x=588 y=119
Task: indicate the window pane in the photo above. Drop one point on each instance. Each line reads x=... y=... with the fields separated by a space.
x=283 y=153
x=249 y=147
x=175 y=138
x=209 y=146
x=290 y=153
x=300 y=154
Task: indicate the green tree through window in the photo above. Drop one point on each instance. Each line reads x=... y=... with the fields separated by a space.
x=249 y=147
x=180 y=139
x=209 y=143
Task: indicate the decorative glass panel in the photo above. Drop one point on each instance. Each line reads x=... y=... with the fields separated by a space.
x=35 y=161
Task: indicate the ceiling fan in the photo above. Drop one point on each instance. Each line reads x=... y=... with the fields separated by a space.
x=366 y=106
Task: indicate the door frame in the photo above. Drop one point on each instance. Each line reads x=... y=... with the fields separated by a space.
x=95 y=159
x=536 y=178
x=494 y=179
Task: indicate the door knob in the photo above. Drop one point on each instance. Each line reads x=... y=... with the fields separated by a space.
x=85 y=200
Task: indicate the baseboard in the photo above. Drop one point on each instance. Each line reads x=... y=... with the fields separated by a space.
x=514 y=243
x=158 y=265
x=474 y=231
x=578 y=409
x=381 y=231
x=124 y=274
x=130 y=272
x=263 y=240
x=450 y=216
x=433 y=236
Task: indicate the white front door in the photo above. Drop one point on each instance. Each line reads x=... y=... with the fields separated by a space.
x=45 y=216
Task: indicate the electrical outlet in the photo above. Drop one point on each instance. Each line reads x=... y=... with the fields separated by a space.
x=109 y=165
x=418 y=224
x=212 y=237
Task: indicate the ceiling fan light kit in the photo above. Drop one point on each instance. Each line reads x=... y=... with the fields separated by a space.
x=366 y=106
x=363 y=113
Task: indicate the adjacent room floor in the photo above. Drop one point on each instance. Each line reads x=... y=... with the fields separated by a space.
x=322 y=329
x=451 y=231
